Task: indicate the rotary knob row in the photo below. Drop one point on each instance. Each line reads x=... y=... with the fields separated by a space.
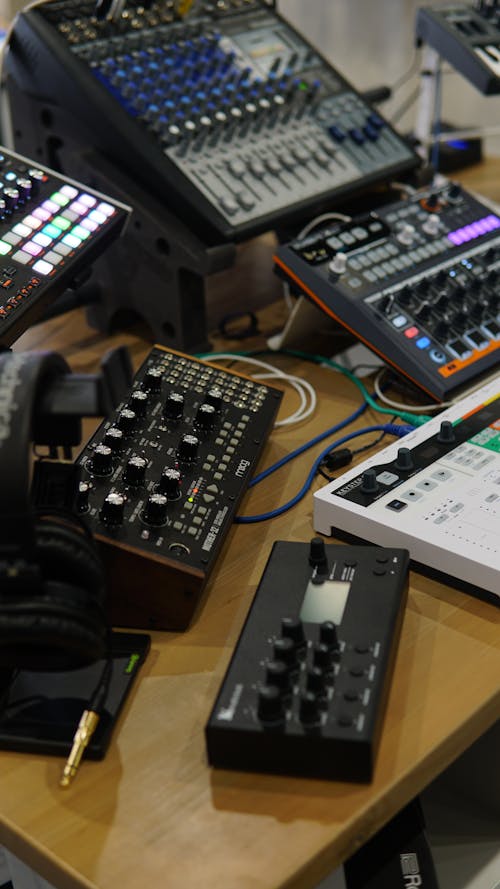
x=113 y=509
x=102 y=461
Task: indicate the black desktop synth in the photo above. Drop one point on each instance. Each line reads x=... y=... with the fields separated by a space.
x=51 y=229
x=227 y=113
x=417 y=281
x=162 y=479
x=306 y=689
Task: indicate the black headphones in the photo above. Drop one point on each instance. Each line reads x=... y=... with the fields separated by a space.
x=52 y=591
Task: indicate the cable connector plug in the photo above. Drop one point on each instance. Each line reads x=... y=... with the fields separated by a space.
x=338 y=459
x=86 y=728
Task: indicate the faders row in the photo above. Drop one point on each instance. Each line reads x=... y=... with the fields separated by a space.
x=50 y=229
x=162 y=479
x=305 y=691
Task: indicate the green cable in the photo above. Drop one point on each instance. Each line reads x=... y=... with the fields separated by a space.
x=406 y=416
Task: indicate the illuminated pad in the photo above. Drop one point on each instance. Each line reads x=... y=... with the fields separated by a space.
x=48 y=228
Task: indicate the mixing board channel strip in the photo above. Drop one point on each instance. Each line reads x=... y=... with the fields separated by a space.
x=162 y=480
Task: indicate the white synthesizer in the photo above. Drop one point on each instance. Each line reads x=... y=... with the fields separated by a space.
x=436 y=493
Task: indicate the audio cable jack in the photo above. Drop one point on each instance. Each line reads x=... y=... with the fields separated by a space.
x=89 y=721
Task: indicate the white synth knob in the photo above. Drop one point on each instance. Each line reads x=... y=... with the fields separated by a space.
x=432 y=225
x=406 y=235
x=338 y=264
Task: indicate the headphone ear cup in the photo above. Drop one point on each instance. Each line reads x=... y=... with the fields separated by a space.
x=62 y=625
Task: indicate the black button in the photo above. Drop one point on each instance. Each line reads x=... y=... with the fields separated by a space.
x=345 y=719
x=351 y=695
x=356 y=671
x=379 y=572
x=362 y=648
x=396 y=505
x=350 y=563
x=382 y=560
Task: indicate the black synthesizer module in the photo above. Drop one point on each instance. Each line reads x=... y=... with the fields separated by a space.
x=227 y=113
x=51 y=229
x=417 y=281
x=162 y=479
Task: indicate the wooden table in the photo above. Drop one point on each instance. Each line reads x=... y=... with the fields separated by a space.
x=152 y=813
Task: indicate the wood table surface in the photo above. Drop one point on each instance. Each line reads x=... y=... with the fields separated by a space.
x=152 y=813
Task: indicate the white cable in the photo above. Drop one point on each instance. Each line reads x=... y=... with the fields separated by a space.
x=302 y=387
x=415 y=409
x=325 y=217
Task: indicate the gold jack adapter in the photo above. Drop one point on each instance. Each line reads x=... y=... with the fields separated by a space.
x=86 y=728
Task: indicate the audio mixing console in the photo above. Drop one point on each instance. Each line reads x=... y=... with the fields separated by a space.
x=468 y=37
x=226 y=113
x=306 y=689
x=438 y=496
x=51 y=229
x=162 y=479
x=417 y=281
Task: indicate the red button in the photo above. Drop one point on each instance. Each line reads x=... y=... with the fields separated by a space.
x=411 y=332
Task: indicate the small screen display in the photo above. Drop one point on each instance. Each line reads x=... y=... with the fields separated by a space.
x=325 y=601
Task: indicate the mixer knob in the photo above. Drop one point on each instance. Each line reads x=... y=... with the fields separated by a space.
x=278 y=674
x=114 y=438
x=24 y=188
x=102 y=460
x=369 y=484
x=316 y=680
x=170 y=483
x=205 y=416
x=424 y=312
x=317 y=555
x=338 y=264
x=432 y=202
x=446 y=434
x=155 y=511
x=309 y=710
x=405 y=295
x=11 y=198
x=404 y=460
x=152 y=379
x=270 y=706
x=432 y=226
x=126 y=420
x=174 y=406
x=3 y=208
x=188 y=448
x=406 y=234
x=214 y=397
x=135 y=471
x=112 y=509
x=322 y=656
x=455 y=192
x=284 y=650
x=138 y=402
x=328 y=634
x=82 y=499
x=293 y=628
x=36 y=179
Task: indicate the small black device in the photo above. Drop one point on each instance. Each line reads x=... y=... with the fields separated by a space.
x=468 y=37
x=226 y=113
x=39 y=710
x=306 y=688
x=162 y=478
x=51 y=229
x=416 y=281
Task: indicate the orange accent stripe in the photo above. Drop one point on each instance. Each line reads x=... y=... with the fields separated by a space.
x=447 y=370
x=358 y=336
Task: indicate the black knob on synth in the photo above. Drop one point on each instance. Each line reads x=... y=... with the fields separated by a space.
x=455 y=191
x=270 y=705
x=316 y=680
x=424 y=312
x=317 y=555
x=309 y=709
x=36 y=178
x=11 y=198
x=113 y=438
x=369 y=484
x=433 y=201
x=126 y=420
x=404 y=460
x=278 y=674
x=151 y=380
x=328 y=634
x=446 y=434
x=322 y=656
x=24 y=188
x=205 y=416
x=174 y=406
x=82 y=499
x=3 y=208
x=405 y=295
x=214 y=397
x=112 y=509
x=492 y=277
x=284 y=650
x=188 y=448
x=293 y=628
x=170 y=483
x=138 y=402
x=135 y=471
x=102 y=460
x=155 y=511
